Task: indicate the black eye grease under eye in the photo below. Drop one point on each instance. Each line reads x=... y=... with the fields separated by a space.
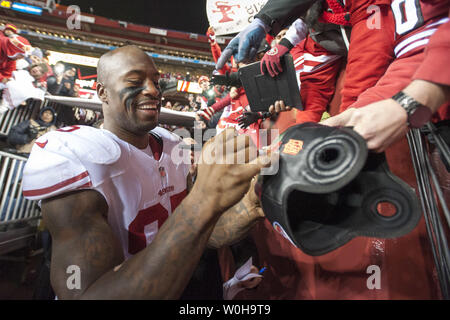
x=130 y=93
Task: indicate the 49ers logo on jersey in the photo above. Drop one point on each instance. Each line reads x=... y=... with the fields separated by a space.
x=166 y=190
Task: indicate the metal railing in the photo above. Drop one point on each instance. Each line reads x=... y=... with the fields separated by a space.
x=13 y=205
x=31 y=110
x=167 y=116
x=13 y=117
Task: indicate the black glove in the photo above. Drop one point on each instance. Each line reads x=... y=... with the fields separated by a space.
x=247 y=118
x=32 y=133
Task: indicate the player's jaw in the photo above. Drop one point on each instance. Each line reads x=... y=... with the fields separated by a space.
x=144 y=113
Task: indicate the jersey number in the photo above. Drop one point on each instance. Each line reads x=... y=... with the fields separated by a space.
x=136 y=230
x=408 y=15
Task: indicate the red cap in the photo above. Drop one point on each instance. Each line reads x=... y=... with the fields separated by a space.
x=203 y=78
x=17 y=45
x=11 y=27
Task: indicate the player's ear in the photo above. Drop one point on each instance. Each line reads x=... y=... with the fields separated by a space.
x=101 y=92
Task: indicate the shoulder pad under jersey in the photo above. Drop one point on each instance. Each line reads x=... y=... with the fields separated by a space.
x=166 y=134
x=57 y=163
x=87 y=143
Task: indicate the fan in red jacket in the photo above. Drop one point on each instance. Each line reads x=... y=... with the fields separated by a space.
x=9 y=31
x=318 y=65
x=11 y=49
x=217 y=51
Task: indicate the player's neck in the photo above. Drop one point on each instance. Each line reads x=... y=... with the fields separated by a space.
x=139 y=141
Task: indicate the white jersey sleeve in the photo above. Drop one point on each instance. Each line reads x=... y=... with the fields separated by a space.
x=62 y=161
x=296 y=32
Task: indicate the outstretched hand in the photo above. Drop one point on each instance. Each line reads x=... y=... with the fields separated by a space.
x=245 y=45
x=380 y=123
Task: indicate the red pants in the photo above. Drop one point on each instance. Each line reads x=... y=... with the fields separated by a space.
x=317 y=69
x=370 y=53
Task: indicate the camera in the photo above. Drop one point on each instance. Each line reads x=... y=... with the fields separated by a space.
x=228 y=79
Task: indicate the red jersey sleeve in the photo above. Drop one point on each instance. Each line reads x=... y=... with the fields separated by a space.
x=435 y=68
x=222 y=103
x=7 y=70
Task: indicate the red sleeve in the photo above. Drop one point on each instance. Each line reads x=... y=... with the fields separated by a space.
x=317 y=87
x=317 y=90
x=8 y=69
x=222 y=103
x=435 y=67
x=216 y=51
x=370 y=53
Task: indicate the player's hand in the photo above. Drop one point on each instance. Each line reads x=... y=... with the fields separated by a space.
x=227 y=165
x=380 y=123
x=206 y=114
x=252 y=201
x=271 y=62
x=234 y=93
x=279 y=106
x=245 y=45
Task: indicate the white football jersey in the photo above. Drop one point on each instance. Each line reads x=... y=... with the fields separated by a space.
x=141 y=191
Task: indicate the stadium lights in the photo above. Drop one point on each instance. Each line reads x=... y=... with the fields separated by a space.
x=6 y=4
x=26 y=8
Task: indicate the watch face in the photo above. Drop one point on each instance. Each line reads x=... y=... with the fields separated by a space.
x=419 y=117
x=405 y=101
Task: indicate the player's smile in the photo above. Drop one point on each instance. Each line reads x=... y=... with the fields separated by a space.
x=149 y=109
x=147 y=106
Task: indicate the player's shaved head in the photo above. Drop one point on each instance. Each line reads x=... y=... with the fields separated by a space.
x=113 y=61
x=129 y=90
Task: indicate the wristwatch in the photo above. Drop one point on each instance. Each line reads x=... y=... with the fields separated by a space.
x=418 y=114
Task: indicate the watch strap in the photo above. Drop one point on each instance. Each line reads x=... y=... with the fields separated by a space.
x=418 y=114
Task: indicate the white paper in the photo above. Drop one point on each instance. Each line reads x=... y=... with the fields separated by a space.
x=231 y=287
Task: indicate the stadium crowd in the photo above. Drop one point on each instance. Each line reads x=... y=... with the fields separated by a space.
x=27 y=68
x=349 y=74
